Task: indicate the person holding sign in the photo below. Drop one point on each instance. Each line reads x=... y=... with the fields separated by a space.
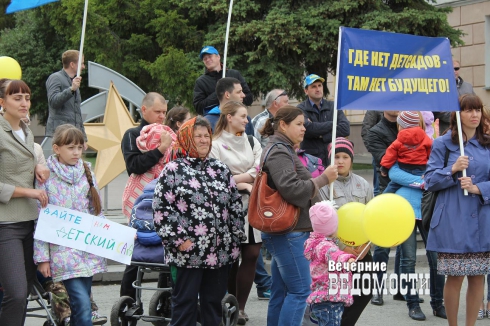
x=460 y=228
x=18 y=208
x=350 y=187
x=71 y=185
x=318 y=119
x=198 y=214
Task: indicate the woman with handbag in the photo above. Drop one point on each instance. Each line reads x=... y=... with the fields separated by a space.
x=460 y=228
x=350 y=187
x=234 y=148
x=290 y=270
x=198 y=214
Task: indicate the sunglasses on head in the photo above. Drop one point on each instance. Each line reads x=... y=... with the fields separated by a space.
x=456 y=68
x=282 y=94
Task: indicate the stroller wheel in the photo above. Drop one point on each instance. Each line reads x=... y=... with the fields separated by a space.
x=118 y=312
x=48 y=323
x=229 y=304
x=161 y=306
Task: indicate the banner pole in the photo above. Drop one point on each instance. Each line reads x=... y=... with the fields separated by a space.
x=363 y=250
x=334 y=120
x=461 y=145
x=82 y=39
x=225 y=53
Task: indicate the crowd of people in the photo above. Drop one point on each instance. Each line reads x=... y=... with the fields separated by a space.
x=199 y=173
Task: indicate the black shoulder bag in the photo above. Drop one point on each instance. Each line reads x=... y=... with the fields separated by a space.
x=429 y=201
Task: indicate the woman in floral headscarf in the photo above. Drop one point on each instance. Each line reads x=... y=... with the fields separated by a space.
x=198 y=215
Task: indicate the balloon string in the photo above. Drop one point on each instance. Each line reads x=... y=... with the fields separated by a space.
x=362 y=252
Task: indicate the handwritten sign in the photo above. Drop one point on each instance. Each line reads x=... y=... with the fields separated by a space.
x=77 y=230
x=395 y=71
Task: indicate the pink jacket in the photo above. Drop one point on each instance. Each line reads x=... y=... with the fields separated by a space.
x=319 y=251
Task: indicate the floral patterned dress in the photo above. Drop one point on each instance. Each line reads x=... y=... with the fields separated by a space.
x=197 y=200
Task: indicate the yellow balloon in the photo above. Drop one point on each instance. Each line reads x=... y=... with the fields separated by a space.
x=350 y=229
x=10 y=68
x=388 y=220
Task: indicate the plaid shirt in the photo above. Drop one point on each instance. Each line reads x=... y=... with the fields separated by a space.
x=258 y=123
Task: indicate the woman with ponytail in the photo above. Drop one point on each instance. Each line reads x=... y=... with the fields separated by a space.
x=72 y=185
x=290 y=270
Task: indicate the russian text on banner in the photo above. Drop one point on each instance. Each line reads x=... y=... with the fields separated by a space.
x=391 y=71
x=77 y=230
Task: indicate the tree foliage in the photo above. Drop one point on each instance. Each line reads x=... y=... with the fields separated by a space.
x=273 y=43
x=38 y=50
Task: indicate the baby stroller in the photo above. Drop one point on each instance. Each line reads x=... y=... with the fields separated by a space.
x=148 y=256
x=42 y=298
x=126 y=311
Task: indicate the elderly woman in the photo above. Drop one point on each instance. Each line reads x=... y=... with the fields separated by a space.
x=290 y=270
x=460 y=228
x=18 y=201
x=198 y=214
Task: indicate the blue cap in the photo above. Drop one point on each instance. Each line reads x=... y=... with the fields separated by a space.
x=208 y=50
x=310 y=79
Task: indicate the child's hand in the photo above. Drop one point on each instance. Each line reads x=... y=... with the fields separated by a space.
x=42 y=173
x=359 y=250
x=352 y=260
x=44 y=269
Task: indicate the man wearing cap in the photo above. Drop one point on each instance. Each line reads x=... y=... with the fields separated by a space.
x=205 y=88
x=274 y=100
x=319 y=119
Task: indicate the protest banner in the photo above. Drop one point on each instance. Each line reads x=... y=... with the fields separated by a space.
x=391 y=71
x=387 y=71
x=77 y=230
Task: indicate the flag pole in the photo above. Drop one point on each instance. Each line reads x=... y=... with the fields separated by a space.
x=334 y=120
x=225 y=53
x=82 y=40
x=461 y=144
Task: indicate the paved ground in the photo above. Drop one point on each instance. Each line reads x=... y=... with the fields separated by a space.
x=106 y=293
x=392 y=313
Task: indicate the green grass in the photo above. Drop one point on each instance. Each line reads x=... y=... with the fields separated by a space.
x=90 y=158
x=360 y=166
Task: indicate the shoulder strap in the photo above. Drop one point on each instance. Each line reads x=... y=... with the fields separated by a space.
x=269 y=150
x=446 y=157
x=251 y=141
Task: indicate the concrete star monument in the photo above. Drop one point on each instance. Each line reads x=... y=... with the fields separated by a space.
x=106 y=138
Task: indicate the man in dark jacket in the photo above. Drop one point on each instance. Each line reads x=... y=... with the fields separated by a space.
x=205 y=88
x=153 y=110
x=319 y=119
x=371 y=118
x=379 y=138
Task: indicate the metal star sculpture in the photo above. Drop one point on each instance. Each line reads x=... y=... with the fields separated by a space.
x=106 y=138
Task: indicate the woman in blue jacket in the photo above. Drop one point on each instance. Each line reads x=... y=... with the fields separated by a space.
x=460 y=226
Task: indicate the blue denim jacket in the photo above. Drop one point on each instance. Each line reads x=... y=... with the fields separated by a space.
x=460 y=224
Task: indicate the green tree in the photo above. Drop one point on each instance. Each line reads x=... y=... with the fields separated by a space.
x=37 y=48
x=155 y=43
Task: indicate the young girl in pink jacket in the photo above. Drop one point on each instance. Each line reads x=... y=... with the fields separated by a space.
x=327 y=299
x=71 y=184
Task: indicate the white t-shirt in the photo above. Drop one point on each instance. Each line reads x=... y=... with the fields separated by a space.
x=21 y=134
